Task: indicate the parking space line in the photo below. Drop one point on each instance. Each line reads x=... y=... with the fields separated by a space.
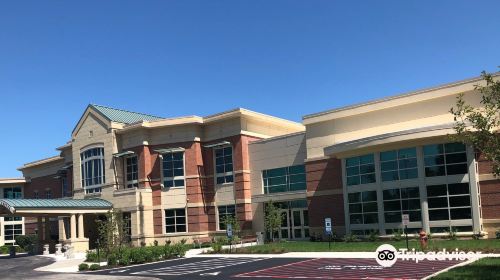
x=197 y=267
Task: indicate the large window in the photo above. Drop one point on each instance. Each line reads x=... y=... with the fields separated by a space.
x=445 y=159
x=449 y=202
x=399 y=164
x=14 y=192
x=402 y=201
x=360 y=170
x=48 y=194
x=363 y=207
x=224 y=165
x=92 y=167
x=11 y=231
x=131 y=172
x=127 y=225
x=175 y=220
x=66 y=192
x=291 y=178
x=225 y=212
x=173 y=169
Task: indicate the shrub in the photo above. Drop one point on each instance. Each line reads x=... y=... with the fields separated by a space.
x=94 y=267
x=27 y=242
x=156 y=252
x=125 y=256
x=83 y=266
x=112 y=259
x=91 y=256
x=179 y=249
x=397 y=235
x=497 y=234
x=452 y=234
x=216 y=247
x=350 y=237
x=373 y=236
x=136 y=255
x=167 y=250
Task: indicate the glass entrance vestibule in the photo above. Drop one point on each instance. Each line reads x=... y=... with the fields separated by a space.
x=294 y=220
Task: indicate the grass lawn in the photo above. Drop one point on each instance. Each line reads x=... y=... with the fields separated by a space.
x=484 y=246
x=486 y=268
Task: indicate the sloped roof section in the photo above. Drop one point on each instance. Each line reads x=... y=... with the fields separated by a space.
x=123 y=116
x=18 y=204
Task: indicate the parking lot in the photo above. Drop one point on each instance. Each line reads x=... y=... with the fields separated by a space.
x=280 y=268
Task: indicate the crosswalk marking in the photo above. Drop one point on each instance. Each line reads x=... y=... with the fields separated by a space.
x=196 y=267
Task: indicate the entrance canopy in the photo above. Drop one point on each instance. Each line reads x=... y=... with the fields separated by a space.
x=52 y=207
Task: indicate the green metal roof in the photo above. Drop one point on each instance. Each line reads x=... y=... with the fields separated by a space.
x=123 y=116
x=16 y=204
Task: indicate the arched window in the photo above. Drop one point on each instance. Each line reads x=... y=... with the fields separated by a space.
x=92 y=167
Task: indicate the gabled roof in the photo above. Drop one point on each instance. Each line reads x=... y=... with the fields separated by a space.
x=123 y=116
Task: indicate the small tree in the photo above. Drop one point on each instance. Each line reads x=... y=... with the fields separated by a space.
x=272 y=219
x=231 y=220
x=479 y=126
x=111 y=231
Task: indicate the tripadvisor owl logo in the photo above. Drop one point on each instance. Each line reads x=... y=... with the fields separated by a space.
x=386 y=255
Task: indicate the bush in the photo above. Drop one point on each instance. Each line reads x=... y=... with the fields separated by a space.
x=373 y=236
x=5 y=249
x=397 y=235
x=91 y=256
x=27 y=242
x=350 y=237
x=216 y=247
x=83 y=266
x=179 y=249
x=452 y=234
x=136 y=255
x=112 y=259
x=497 y=234
x=94 y=267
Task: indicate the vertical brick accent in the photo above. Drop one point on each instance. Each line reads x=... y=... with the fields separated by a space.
x=324 y=175
x=157 y=221
x=490 y=199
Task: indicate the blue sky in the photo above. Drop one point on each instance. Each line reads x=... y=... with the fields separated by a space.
x=171 y=58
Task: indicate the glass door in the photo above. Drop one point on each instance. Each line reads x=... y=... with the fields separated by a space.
x=285 y=225
x=300 y=224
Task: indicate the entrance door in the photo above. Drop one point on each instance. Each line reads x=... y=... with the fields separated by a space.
x=285 y=225
x=300 y=224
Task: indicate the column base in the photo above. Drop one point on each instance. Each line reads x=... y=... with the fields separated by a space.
x=80 y=245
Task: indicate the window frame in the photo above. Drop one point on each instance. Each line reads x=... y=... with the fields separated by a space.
x=359 y=165
x=93 y=187
x=134 y=183
x=174 y=178
x=445 y=155
x=398 y=169
x=400 y=199
x=19 y=190
x=175 y=225
x=362 y=203
x=288 y=179
x=225 y=213
x=448 y=208
x=225 y=174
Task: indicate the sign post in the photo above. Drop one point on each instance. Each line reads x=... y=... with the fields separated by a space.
x=328 y=230
x=406 y=221
x=229 y=233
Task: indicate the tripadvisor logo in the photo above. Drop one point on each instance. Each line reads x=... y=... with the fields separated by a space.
x=387 y=255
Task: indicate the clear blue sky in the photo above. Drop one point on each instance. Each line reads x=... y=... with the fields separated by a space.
x=171 y=58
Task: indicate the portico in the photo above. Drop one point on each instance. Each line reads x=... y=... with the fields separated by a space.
x=68 y=212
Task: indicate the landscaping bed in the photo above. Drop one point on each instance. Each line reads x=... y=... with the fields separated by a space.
x=484 y=246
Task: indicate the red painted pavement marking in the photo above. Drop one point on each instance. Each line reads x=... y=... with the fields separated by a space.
x=351 y=269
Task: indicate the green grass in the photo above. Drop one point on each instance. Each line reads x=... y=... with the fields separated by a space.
x=486 y=268
x=484 y=246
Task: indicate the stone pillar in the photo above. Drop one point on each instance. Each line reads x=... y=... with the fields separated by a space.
x=73 y=227
x=62 y=229
x=80 y=226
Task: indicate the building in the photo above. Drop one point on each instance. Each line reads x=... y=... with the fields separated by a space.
x=363 y=166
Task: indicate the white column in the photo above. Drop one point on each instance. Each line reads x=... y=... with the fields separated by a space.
x=73 y=226
x=62 y=229
x=474 y=191
x=80 y=226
